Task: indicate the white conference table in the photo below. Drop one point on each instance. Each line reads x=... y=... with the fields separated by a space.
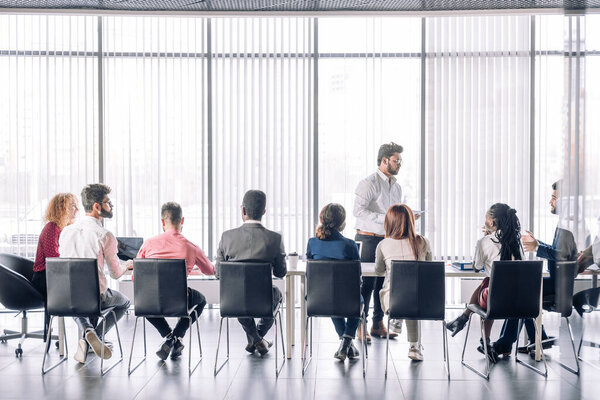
x=368 y=269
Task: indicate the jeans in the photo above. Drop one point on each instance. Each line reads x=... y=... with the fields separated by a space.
x=346 y=327
x=254 y=332
x=371 y=285
x=194 y=298
x=108 y=299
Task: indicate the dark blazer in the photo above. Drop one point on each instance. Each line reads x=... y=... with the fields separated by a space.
x=335 y=247
x=255 y=243
x=563 y=248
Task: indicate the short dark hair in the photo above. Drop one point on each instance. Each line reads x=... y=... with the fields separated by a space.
x=387 y=150
x=254 y=203
x=556 y=185
x=171 y=211
x=92 y=194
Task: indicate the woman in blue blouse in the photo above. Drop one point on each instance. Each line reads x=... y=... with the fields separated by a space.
x=329 y=244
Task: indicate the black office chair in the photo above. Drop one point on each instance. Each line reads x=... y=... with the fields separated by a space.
x=418 y=292
x=562 y=301
x=160 y=290
x=585 y=302
x=332 y=290
x=246 y=291
x=514 y=293
x=17 y=293
x=74 y=291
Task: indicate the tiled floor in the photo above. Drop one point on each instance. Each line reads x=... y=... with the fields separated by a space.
x=250 y=377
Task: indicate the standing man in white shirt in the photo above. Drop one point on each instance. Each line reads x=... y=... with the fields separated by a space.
x=373 y=196
x=87 y=238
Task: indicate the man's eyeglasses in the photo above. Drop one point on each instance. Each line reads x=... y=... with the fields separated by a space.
x=109 y=203
x=398 y=161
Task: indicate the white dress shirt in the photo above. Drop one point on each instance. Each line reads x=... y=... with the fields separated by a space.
x=596 y=250
x=373 y=196
x=87 y=238
x=487 y=250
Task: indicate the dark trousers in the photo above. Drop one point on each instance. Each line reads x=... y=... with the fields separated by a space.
x=255 y=332
x=38 y=280
x=510 y=328
x=195 y=298
x=371 y=285
x=108 y=299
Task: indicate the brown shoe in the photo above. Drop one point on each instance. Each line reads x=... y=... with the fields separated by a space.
x=359 y=334
x=378 y=330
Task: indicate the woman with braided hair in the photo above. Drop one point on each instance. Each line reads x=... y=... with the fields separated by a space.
x=501 y=241
x=329 y=244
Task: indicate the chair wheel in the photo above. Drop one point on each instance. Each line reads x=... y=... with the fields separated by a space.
x=18 y=353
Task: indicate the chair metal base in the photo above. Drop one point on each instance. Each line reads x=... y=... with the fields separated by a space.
x=64 y=357
x=190 y=369
x=586 y=343
x=486 y=375
x=103 y=371
x=531 y=367
x=306 y=361
x=278 y=368
x=23 y=334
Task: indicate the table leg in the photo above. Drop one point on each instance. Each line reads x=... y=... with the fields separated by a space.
x=594 y=281
x=289 y=315
x=538 y=329
x=61 y=336
x=302 y=307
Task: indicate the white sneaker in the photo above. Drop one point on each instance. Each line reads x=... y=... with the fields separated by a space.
x=82 y=350
x=415 y=352
x=96 y=344
x=396 y=326
x=106 y=343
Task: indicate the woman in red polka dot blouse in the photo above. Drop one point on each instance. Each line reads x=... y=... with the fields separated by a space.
x=61 y=212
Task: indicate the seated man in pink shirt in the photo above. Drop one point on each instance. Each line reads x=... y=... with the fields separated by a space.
x=173 y=245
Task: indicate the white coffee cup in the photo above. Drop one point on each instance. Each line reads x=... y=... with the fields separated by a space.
x=292 y=261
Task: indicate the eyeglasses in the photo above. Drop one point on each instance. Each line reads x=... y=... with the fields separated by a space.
x=398 y=161
x=109 y=203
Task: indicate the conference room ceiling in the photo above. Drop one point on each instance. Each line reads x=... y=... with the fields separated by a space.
x=307 y=6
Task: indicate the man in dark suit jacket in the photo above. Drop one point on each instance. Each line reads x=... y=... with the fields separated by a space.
x=252 y=242
x=563 y=248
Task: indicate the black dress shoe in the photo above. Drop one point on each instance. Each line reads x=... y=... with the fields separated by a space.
x=353 y=352
x=547 y=344
x=165 y=348
x=177 y=349
x=250 y=348
x=458 y=324
x=491 y=352
x=262 y=346
x=342 y=351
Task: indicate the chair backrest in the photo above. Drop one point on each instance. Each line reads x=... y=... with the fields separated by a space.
x=16 y=292
x=417 y=290
x=514 y=290
x=159 y=288
x=246 y=290
x=564 y=281
x=333 y=288
x=20 y=265
x=73 y=287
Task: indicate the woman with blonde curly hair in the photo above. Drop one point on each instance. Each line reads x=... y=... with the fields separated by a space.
x=61 y=212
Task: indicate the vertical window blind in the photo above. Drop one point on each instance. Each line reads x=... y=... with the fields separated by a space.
x=478 y=123
x=48 y=119
x=262 y=112
x=155 y=122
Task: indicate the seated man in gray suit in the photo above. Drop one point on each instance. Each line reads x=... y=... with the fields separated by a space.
x=253 y=242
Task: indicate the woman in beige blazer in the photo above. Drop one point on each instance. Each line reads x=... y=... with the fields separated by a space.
x=401 y=243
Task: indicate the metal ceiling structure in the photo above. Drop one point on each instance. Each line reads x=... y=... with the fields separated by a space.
x=298 y=6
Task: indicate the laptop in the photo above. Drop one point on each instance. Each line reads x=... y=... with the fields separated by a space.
x=128 y=247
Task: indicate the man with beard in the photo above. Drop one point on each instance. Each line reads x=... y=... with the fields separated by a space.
x=373 y=196
x=563 y=248
x=87 y=238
